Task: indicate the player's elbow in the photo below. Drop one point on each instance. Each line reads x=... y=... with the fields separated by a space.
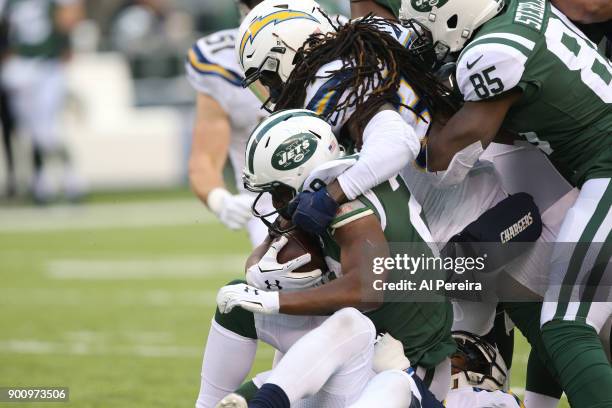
x=370 y=296
x=438 y=155
x=360 y=295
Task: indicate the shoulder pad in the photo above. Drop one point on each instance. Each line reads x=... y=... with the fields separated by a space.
x=328 y=172
x=322 y=98
x=212 y=58
x=492 y=64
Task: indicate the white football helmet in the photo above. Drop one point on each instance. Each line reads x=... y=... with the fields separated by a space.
x=451 y=22
x=478 y=363
x=269 y=38
x=283 y=150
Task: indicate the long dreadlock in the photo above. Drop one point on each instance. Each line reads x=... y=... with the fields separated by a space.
x=373 y=65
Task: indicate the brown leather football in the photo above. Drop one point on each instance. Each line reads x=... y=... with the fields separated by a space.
x=301 y=243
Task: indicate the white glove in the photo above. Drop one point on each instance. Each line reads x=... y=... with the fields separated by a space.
x=249 y=298
x=389 y=355
x=268 y=274
x=232 y=210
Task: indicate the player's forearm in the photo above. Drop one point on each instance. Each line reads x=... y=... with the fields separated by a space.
x=204 y=176
x=445 y=142
x=327 y=299
x=383 y=155
x=586 y=11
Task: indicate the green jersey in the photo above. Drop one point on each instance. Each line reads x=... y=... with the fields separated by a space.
x=32 y=29
x=424 y=328
x=566 y=105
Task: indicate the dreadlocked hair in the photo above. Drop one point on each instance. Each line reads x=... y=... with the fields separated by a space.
x=373 y=65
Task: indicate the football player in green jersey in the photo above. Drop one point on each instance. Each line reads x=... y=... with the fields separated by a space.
x=525 y=67
x=34 y=76
x=284 y=151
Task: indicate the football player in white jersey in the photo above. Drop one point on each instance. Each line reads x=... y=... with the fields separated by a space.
x=225 y=116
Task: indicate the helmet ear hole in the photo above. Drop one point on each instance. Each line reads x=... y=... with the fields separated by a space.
x=452 y=22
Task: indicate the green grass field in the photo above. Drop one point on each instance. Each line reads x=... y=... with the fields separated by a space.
x=114 y=298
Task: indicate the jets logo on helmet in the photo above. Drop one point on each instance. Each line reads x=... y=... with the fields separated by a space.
x=295 y=150
x=450 y=22
x=274 y=18
x=283 y=150
x=427 y=5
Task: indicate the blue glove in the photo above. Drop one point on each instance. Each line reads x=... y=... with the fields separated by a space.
x=313 y=212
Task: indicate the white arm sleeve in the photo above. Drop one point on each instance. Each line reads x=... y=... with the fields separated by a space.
x=389 y=145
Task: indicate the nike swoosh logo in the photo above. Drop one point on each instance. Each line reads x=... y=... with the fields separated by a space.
x=470 y=66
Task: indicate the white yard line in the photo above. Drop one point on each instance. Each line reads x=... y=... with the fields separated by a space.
x=29 y=346
x=105 y=216
x=134 y=269
x=92 y=343
x=36 y=297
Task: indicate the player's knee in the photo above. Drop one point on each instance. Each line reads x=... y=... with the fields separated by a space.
x=350 y=321
x=394 y=386
x=396 y=379
x=239 y=321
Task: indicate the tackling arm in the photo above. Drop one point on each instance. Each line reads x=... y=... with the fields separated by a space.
x=389 y=145
x=475 y=122
x=353 y=286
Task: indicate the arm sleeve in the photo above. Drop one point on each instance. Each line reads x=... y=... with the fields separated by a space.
x=389 y=145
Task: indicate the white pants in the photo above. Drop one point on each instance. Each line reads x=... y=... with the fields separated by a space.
x=37 y=90
x=572 y=266
x=327 y=361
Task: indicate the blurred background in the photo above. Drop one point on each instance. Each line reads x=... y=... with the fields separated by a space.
x=109 y=265
x=126 y=109
x=122 y=105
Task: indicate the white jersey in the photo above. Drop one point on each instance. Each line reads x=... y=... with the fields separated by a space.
x=322 y=98
x=469 y=397
x=447 y=210
x=212 y=69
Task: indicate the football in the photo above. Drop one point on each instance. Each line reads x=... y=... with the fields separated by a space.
x=301 y=243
